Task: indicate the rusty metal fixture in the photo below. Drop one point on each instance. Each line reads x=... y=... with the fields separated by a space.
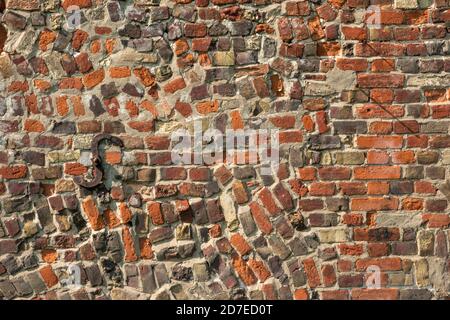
x=97 y=171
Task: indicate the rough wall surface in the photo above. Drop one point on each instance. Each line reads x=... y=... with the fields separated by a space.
x=363 y=114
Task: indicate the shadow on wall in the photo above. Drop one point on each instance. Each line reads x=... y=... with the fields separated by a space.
x=3 y=32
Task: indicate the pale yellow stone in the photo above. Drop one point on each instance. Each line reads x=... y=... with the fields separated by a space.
x=326 y=159
x=30 y=228
x=223 y=58
x=63 y=223
x=198 y=124
x=56 y=20
x=63 y=185
x=6 y=66
x=421 y=269
x=426 y=243
x=125 y=294
x=265 y=105
x=405 y=4
x=446 y=157
x=428 y=80
x=229 y=211
x=63 y=156
x=332 y=235
x=183 y=231
x=409 y=280
x=349 y=158
x=397 y=279
x=82 y=142
x=169 y=127
x=130 y=55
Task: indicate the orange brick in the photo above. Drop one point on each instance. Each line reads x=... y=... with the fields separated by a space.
x=48 y=276
x=208 y=107
x=128 y=243
x=94 y=78
x=33 y=126
x=240 y=244
x=377 y=172
x=154 y=210
x=145 y=76
x=91 y=211
x=236 y=120
x=119 y=72
x=377 y=204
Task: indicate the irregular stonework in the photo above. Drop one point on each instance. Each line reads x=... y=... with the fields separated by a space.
x=363 y=181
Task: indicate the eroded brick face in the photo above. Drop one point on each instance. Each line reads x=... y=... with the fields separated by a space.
x=363 y=114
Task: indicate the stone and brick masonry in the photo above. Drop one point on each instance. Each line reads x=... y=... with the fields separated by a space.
x=363 y=113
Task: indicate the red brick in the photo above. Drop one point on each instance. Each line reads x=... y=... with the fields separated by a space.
x=128 y=243
x=328 y=275
x=377 y=188
x=145 y=76
x=239 y=192
x=322 y=188
x=378 y=204
x=385 y=264
x=370 y=111
x=378 y=49
x=261 y=220
x=354 y=33
x=379 y=142
x=14 y=172
x=351 y=249
x=79 y=37
x=374 y=294
x=94 y=78
x=284 y=122
x=403 y=157
x=380 y=127
x=49 y=276
x=382 y=96
x=377 y=157
x=201 y=45
x=335 y=173
x=259 y=269
x=268 y=202
x=195 y=30
x=301 y=294
x=240 y=244
x=79 y=3
x=312 y=273
x=297 y=8
x=307 y=173
x=436 y=220
x=91 y=211
x=145 y=248
x=377 y=249
x=244 y=272
x=111 y=219
x=353 y=64
x=368 y=80
x=377 y=172
x=328 y=49
x=352 y=219
x=334 y=295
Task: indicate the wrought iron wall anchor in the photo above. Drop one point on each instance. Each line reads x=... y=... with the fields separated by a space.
x=97 y=171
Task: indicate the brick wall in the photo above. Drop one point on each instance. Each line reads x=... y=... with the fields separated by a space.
x=363 y=114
